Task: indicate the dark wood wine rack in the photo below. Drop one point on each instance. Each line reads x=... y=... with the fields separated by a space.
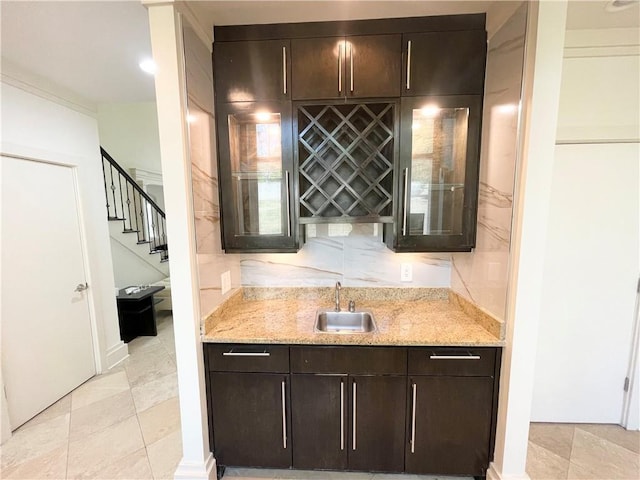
x=345 y=162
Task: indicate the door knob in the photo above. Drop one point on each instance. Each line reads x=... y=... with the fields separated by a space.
x=81 y=287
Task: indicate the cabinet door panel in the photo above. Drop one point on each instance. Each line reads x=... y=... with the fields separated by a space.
x=317 y=68
x=373 y=65
x=248 y=419
x=376 y=424
x=251 y=71
x=256 y=176
x=452 y=425
x=319 y=421
x=445 y=63
x=438 y=184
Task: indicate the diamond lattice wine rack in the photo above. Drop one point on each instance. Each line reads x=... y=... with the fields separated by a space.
x=345 y=158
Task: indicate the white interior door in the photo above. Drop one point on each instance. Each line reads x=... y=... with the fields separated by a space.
x=590 y=278
x=47 y=346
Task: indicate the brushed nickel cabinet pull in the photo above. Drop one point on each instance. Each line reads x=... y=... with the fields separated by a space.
x=414 y=387
x=231 y=353
x=405 y=201
x=454 y=357
x=340 y=67
x=341 y=414
x=409 y=65
x=351 y=61
x=284 y=70
x=286 y=179
x=355 y=413
x=284 y=415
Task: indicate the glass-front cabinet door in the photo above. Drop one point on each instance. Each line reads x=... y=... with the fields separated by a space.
x=256 y=171
x=438 y=174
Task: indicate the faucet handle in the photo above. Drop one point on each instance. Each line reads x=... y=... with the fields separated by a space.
x=352 y=306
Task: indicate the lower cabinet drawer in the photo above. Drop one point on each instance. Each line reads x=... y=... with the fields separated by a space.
x=247 y=358
x=351 y=360
x=458 y=361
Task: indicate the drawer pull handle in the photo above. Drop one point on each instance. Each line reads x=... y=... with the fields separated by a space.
x=454 y=357
x=245 y=354
x=284 y=416
x=414 y=387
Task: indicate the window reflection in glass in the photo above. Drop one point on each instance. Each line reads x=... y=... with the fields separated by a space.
x=256 y=172
x=438 y=154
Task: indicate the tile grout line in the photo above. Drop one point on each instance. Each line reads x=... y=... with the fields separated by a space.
x=146 y=452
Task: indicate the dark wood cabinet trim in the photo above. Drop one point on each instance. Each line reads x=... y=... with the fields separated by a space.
x=441 y=23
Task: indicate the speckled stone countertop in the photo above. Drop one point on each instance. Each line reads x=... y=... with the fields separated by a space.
x=404 y=316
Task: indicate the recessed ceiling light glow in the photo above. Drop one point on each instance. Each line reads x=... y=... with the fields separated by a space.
x=148 y=66
x=263 y=116
x=617 y=5
x=430 y=111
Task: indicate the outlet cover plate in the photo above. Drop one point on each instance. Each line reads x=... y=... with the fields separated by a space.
x=225 y=282
x=406 y=272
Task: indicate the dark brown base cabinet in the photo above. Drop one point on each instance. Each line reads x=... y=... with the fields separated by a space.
x=343 y=423
x=381 y=409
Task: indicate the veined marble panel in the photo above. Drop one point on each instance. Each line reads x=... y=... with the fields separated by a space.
x=355 y=260
x=481 y=275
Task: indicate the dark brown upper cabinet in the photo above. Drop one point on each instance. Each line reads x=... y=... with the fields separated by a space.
x=437 y=175
x=364 y=66
x=444 y=63
x=255 y=165
x=252 y=71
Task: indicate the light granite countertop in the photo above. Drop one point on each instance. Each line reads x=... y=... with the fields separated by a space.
x=413 y=316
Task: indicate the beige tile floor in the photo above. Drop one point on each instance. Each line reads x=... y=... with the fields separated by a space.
x=125 y=424
x=561 y=451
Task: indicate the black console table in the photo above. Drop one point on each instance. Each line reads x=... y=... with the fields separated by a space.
x=136 y=313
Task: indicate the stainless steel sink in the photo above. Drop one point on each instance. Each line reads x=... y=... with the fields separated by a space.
x=330 y=321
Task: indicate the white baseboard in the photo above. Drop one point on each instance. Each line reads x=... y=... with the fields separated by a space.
x=196 y=471
x=116 y=354
x=494 y=474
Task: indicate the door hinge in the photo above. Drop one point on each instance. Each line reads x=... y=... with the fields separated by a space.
x=626 y=384
x=638 y=287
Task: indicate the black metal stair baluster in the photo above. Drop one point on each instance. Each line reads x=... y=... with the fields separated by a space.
x=106 y=191
x=128 y=185
x=113 y=192
x=124 y=219
x=164 y=239
x=135 y=213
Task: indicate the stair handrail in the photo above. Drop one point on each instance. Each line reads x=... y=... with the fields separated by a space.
x=134 y=184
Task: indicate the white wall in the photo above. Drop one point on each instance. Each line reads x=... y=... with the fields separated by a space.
x=35 y=126
x=129 y=132
x=593 y=242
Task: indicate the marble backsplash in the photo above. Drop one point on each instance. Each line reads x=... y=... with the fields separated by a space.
x=481 y=276
x=354 y=260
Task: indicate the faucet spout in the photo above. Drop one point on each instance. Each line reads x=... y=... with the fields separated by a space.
x=338 y=288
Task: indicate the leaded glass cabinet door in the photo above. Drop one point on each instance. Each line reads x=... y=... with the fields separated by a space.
x=438 y=173
x=256 y=177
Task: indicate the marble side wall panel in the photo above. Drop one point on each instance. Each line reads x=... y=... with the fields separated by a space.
x=481 y=276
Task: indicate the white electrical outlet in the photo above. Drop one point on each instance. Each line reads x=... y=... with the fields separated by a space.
x=225 y=282
x=406 y=272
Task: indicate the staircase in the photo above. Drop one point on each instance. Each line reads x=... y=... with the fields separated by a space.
x=137 y=226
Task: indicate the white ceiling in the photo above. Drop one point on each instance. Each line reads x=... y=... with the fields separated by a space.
x=93 y=47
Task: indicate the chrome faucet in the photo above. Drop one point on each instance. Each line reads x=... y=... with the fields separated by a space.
x=352 y=306
x=338 y=287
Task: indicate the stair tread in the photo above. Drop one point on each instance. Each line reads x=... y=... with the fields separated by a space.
x=113 y=219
